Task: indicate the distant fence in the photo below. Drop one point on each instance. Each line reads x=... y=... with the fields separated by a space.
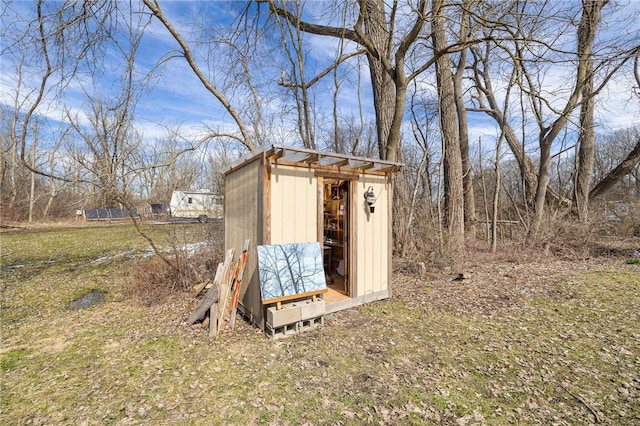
x=106 y=214
x=156 y=209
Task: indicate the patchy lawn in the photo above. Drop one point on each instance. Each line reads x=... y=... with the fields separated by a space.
x=553 y=342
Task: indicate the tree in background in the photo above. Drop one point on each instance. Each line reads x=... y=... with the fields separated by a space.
x=500 y=60
x=452 y=156
x=56 y=49
x=533 y=47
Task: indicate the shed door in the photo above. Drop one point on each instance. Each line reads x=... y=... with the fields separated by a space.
x=336 y=234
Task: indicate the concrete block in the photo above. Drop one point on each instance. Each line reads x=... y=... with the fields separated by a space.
x=291 y=329
x=311 y=324
x=310 y=309
x=289 y=314
x=284 y=331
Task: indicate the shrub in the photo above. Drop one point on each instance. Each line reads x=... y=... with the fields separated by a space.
x=154 y=280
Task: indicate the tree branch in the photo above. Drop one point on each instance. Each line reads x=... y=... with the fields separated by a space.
x=154 y=7
x=308 y=27
x=318 y=77
x=620 y=171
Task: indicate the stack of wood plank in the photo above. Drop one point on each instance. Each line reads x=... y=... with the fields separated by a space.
x=222 y=296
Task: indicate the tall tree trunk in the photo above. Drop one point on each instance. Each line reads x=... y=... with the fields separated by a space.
x=463 y=128
x=496 y=198
x=453 y=185
x=13 y=168
x=32 y=189
x=463 y=131
x=384 y=91
x=544 y=176
x=586 y=155
x=586 y=140
x=485 y=201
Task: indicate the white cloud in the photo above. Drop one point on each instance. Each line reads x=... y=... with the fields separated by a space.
x=618 y=106
x=177 y=97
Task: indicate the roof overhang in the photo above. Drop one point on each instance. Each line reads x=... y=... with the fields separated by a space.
x=321 y=161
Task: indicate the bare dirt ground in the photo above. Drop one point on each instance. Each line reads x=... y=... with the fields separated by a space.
x=489 y=288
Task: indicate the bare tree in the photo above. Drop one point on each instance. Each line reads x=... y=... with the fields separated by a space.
x=488 y=103
x=107 y=145
x=110 y=138
x=587 y=29
x=32 y=189
x=591 y=15
x=244 y=136
x=55 y=186
x=414 y=213
x=464 y=34
x=387 y=46
x=630 y=164
x=59 y=46
x=296 y=78
x=496 y=196
x=452 y=158
x=526 y=44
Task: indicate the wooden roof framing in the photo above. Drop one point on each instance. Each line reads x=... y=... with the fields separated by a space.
x=327 y=161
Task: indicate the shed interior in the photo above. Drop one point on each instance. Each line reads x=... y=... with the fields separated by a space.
x=336 y=238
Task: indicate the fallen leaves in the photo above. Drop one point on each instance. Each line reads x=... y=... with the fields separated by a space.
x=555 y=342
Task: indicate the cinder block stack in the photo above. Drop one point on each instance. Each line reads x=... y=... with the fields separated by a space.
x=295 y=317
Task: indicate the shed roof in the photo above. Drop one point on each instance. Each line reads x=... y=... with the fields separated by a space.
x=300 y=157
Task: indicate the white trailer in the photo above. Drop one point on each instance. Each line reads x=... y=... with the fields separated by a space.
x=201 y=205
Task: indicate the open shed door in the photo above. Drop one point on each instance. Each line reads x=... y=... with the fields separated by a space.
x=337 y=239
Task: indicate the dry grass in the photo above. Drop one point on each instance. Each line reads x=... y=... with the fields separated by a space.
x=521 y=341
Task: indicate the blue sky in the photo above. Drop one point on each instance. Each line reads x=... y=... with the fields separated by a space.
x=177 y=97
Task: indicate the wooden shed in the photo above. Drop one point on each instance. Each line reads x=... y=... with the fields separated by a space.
x=285 y=195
